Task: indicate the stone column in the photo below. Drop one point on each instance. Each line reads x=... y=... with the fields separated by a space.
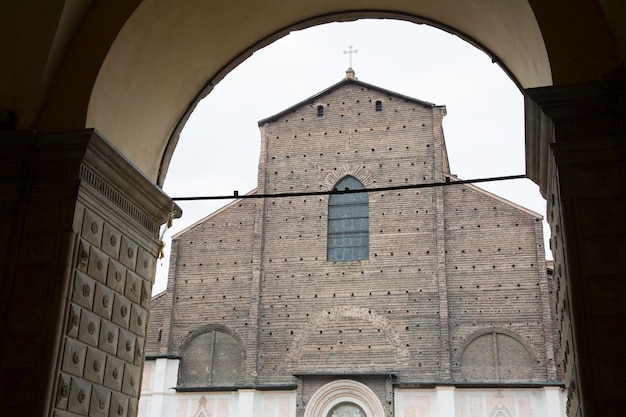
x=79 y=236
x=445 y=401
x=576 y=152
x=553 y=401
x=246 y=402
x=165 y=373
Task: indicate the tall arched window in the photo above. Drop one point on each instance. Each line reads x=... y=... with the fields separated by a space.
x=320 y=111
x=379 y=105
x=348 y=223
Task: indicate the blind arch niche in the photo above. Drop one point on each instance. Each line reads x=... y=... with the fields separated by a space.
x=497 y=356
x=212 y=357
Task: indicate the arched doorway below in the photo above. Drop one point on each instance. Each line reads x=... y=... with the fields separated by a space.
x=344 y=398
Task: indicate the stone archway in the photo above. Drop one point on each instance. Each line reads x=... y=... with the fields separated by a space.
x=344 y=391
x=147 y=86
x=76 y=64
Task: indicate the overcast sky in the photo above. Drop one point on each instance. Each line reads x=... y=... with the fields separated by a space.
x=219 y=147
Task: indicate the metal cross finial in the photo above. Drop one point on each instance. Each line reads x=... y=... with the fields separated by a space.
x=350 y=51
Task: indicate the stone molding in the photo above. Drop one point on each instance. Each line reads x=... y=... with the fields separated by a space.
x=344 y=391
x=587 y=111
x=88 y=157
x=126 y=187
x=357 y=171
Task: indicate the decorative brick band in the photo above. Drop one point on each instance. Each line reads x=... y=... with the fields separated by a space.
x=349 y=312
x=357 y=171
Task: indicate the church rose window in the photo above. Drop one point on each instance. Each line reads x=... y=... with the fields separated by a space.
x=348 y=223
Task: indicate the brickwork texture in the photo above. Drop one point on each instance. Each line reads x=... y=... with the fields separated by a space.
x=450 y=269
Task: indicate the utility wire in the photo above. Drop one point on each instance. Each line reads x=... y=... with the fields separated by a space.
x=448 y=181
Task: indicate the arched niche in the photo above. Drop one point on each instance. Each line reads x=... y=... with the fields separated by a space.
x=497 y=356
x=210 y=357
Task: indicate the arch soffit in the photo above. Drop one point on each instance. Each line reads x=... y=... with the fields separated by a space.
x=344 y=390
x=469 y=339
x=158 y=68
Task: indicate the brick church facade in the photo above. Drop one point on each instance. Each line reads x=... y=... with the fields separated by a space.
x=421 y=302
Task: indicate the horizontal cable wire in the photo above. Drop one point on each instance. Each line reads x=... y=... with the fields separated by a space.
x=448 y=181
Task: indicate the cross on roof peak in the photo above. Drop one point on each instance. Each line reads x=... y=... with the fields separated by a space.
x=350 y=51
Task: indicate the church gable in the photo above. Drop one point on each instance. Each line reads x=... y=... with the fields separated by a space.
x=396 y=145
x=314 y=102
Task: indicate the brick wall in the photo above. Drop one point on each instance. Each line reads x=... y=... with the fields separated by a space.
x=444 y=263
x=493 y=271
x=362 y=315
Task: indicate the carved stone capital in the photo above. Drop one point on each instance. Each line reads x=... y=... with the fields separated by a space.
x=577 y=112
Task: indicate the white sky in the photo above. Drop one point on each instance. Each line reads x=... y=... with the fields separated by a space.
x=219 y=147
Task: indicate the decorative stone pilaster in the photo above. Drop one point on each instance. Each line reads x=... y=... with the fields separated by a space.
x=82 y=239
x=576 y=152
x=446 y=406
x=246 y=402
